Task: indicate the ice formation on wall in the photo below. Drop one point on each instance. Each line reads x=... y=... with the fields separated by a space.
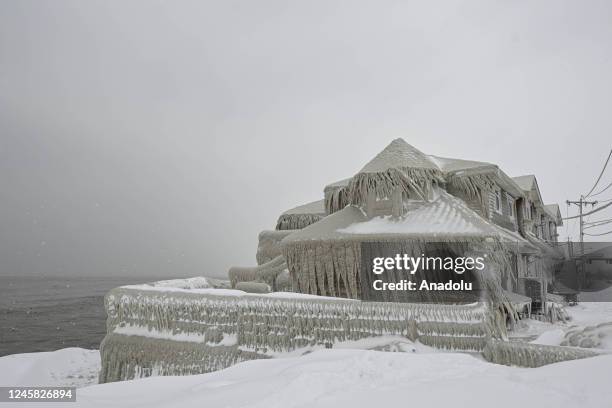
x=269 y=246
x=266 y=273
x=262 y=326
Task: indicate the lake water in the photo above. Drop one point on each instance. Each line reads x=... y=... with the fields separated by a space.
x=45 y=314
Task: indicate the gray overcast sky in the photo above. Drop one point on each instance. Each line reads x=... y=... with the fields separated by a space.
x=159 y=138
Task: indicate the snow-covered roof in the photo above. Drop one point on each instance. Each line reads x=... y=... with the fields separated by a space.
x=449 y=165
x=399 y=155
x=554 y=212
x=337 y=184
x=444 y=217
x=525 y=182
x=314 y=207
x=529 y=183
x=328 y=227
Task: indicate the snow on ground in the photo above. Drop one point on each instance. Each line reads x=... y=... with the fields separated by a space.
x=347 y=375
x=365 y=378
x=74 y=367
x=584 y=317
x=589 y=313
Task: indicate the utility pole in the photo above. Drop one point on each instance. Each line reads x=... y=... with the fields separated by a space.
x=581 y=203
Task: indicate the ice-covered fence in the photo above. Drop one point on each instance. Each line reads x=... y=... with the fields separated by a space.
x=169 y=331
x=531 y=355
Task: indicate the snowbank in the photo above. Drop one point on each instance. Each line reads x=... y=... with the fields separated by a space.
x=358 y=378
x=74 y=367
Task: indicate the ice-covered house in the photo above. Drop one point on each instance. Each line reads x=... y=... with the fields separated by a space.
x=405 y=196
x=305 y=291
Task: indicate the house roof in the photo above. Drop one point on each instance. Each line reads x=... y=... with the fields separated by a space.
x=337 y=184
x=399 y=154
x=444 y=218
x=328 y=226
x=449 y=165
x=529 y=183
x=554 y=212
x=525 y=182
x=461 y=167
x=314 y=207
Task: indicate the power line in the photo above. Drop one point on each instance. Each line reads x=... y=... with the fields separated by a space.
x=598 y=221
x=607 y=187
x=589 y=213
x=597 y=224
x=598 y=235
x=600 y=175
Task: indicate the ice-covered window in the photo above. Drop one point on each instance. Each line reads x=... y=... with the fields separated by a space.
x=498 y=201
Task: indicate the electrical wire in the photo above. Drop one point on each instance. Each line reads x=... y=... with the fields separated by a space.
x=599 y=192
x=594 y=225
x=598 y=235
x=590 y=212
x=600 y=175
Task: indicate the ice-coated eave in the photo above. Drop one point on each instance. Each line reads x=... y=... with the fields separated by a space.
x=314 y=207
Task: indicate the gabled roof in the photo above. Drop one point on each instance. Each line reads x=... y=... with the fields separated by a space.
x=525 y=182
x=529 y=183
x=554 y=212
x=399 y=155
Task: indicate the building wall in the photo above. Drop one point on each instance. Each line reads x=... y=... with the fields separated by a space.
x=505 y=215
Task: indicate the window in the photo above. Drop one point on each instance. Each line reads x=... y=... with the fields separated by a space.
x=498 y=201
x=510 y=205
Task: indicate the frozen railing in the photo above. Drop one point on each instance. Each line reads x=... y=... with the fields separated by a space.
x=172 y=331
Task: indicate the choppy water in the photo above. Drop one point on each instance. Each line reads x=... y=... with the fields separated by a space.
x=45 y=314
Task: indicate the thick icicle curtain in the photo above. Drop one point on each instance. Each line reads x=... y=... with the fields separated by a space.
x=336 y=198
x=331 y=267
x=418 y=183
